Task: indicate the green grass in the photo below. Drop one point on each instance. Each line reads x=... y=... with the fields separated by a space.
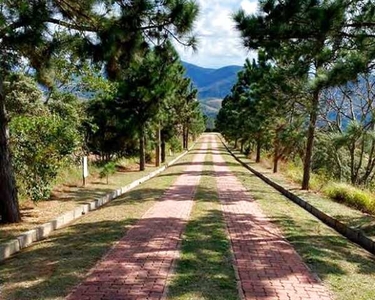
x=350 y=216
x=354 y=197
x=205 y=270
x=345 y=193
x=69 y=195
x=49 y=269
x=345 y=268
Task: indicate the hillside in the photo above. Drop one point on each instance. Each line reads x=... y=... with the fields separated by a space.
x=213 y=85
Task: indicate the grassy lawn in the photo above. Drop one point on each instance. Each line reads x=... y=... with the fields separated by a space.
x=343 y=266
x=205 y=270
x=67 y=196
x=49 y=269
x=350 y=216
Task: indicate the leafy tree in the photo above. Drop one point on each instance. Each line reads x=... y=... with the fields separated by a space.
x=42 y=136
x=25 y=35
x=144 y=87
x=41 y=143
x=114 y=38
x=332 y=40
x=108 y=170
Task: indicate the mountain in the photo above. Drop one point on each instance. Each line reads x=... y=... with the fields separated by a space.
x=212 y=84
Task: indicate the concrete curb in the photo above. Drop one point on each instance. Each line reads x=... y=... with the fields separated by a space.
x=353 y=235
x=43 y=231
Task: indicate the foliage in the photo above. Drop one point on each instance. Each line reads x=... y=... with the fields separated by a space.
x=42 y=136
x=83 y=39
x=108 y=170
x=354 y=197
x=40 y=144
x=175 y=145
x=23 y=97
x=326 y=42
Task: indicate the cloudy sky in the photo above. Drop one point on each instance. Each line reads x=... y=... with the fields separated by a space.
x=219 y=43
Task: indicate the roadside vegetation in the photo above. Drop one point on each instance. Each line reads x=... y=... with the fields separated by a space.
x=304 y=103
x=361 y=198
x=341 y=211
x=90 y=78
x=69 y=192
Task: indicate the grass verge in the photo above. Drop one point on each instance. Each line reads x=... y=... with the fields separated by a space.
x=345 y=268
x=341 y=211
x=352 y=196
x=204 y=270
x=49 y=269
x=67 y=196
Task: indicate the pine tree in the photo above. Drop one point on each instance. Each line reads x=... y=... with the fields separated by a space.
x=24 y=34
x=332 y=39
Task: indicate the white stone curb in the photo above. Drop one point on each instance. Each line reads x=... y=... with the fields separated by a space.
x=43 y=231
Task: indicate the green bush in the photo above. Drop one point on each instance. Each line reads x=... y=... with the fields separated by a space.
x=293 y=172
x=107 y=170
x=175 y=145
x=40 y=145
x=352 y=196
x=150 y=157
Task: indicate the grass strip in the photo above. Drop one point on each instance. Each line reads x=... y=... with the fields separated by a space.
x=350 y=216
x=204 y=270
x=345 y=268
x=68 y=196
x=51 y=268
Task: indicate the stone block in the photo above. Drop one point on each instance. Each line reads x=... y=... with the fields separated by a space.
x=68 y=217
x=85 y=208
x=9 y=248
x=93 y=205
x=78 y=212
x=27 y=238
x=45 y=230
x=59 y=222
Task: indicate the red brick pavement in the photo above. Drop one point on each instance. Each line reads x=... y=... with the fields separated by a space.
x=267 y=265
x=139 y=265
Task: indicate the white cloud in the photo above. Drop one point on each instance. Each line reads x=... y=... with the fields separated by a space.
x=249 y=7
x=219 y=42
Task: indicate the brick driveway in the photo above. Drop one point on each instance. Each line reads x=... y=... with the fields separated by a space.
x=139 y=265
x=267 y=265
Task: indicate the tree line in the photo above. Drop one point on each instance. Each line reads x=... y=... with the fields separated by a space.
x=310 y=94
x=116 y=55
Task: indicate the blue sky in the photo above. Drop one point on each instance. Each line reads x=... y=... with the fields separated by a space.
x=219 y=43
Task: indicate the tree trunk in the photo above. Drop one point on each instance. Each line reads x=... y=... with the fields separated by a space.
x=163 y=150
x=310 y=141
x=142 y=150
x=242 y=145
x=276 y=164
x=187 y=139
x=276 y=160
x=157 y=148
x=9 y=209
x=184 y=137
x=236 y=143
x=259 y=148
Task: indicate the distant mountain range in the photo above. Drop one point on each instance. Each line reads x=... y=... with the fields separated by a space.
x=212 y=84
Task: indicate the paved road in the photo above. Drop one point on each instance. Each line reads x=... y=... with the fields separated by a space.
x=267 y=265
x=138 y=267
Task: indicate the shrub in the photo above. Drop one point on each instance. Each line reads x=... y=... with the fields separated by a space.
x=175 y=144
x=352 y=196
x=247 y=150
x=107 y=170
x=293 y=172
x=40 y=145
x=150 y=157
